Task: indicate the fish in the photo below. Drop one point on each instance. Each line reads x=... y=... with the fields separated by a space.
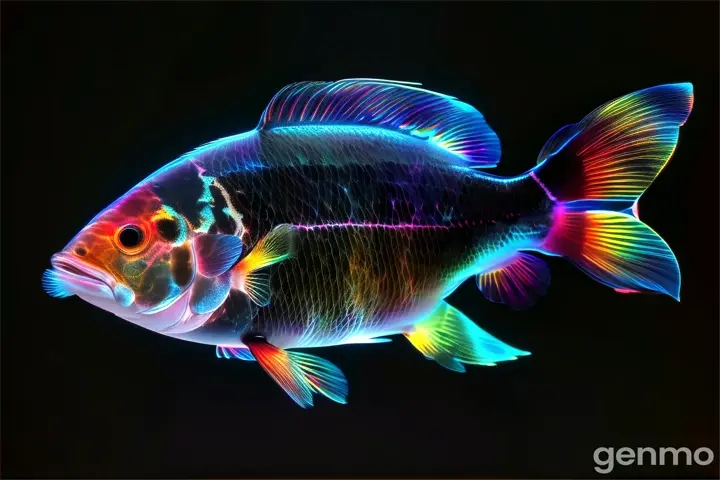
x=351 y=213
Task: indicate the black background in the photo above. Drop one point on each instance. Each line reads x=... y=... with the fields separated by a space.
x=96 y=96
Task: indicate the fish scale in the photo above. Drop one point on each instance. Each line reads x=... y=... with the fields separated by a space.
x=372 y=212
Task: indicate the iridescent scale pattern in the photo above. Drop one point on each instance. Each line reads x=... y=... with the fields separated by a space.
x=384 y=226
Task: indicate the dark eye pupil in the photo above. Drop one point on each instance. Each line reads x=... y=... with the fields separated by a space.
x=168 y=229
x=130 y=237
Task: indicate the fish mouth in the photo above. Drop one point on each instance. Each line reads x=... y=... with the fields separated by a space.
x=71 y=276
x=70 y=265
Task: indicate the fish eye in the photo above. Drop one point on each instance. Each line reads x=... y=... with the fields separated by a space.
x=129 y=238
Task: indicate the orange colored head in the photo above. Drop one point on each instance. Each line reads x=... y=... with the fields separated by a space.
x=136 y=257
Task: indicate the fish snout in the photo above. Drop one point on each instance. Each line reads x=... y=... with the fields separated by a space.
x=71 y=274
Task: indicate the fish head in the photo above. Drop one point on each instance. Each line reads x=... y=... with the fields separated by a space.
x=134 y=259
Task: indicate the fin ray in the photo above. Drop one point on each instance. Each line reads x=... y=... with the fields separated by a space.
x=53 y=285
x=618 y=149
x=615 y=249
x=275 y=247
x=449 y=337
x=443 y=120
x=257 y=287
x=595 y=172
x=216 y=253
x=232 y=352
x=300 y=375
x=322 y=376
x=518 y=284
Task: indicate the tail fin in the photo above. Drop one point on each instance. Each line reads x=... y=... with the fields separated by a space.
x=596 y=170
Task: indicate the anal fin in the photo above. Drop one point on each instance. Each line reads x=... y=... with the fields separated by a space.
x=451 y=339
x=518 y=284
x=301 y=375
x=448 y=361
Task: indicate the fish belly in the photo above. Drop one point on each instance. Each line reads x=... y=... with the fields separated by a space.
x=347 y=283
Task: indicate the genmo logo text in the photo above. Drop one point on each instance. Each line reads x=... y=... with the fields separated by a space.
x=607 y=457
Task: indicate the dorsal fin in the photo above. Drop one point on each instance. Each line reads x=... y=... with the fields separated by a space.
x=400 y=106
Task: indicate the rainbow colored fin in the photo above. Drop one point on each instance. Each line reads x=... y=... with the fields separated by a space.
x=276 y=246
x=595 y=172
x=518 y=284
x=616 y=151
x=232 y=352
x=451 y=339
x=257 y=287
x=299 y=374
x=53 y=284
x=615 y=249
x=448 y=123
x=216 y=253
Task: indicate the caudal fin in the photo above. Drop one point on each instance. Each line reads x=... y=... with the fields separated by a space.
x=596 y=170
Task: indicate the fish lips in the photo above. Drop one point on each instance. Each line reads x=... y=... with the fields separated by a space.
x=72 y=276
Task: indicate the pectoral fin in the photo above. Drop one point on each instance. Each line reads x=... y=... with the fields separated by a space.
x=216 y=253
x=299 y=374
x=257 y=287
x=275 y=247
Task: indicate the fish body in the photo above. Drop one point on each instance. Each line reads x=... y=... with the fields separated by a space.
x=354 y=209
x=380 y=238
